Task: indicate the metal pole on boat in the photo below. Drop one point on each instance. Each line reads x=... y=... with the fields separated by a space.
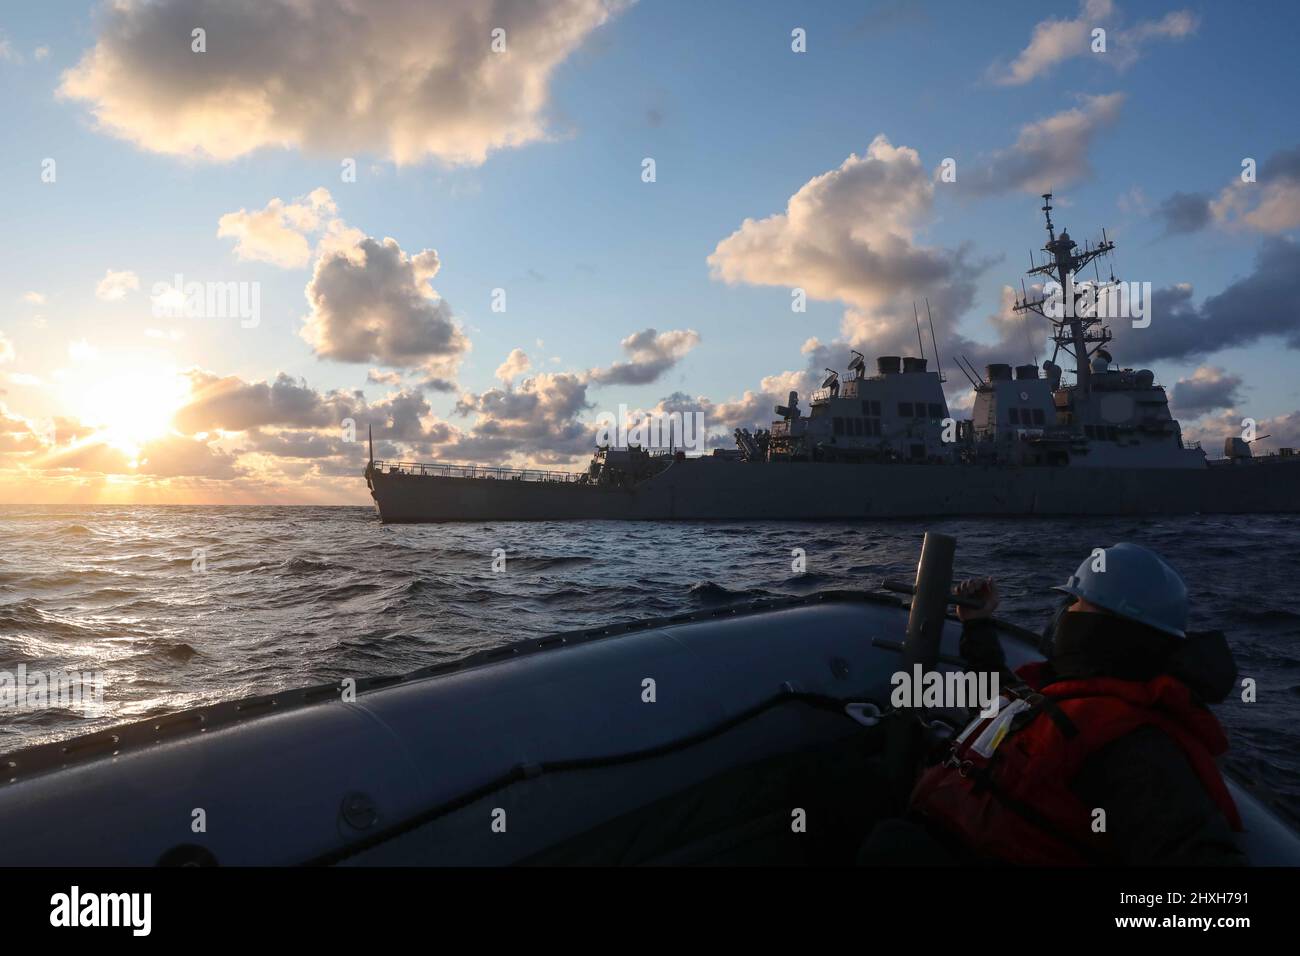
x=370 y=465
x=930 y=601
x=931 y=595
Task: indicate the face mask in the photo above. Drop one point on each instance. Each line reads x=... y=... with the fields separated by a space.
x=1048 y=639
x=1102 y=645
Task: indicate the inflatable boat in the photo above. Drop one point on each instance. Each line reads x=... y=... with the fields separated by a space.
x=750 y=734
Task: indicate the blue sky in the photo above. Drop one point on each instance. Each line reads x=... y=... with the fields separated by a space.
x=589 y=254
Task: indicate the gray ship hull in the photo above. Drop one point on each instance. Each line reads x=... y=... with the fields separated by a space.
x=721 y=489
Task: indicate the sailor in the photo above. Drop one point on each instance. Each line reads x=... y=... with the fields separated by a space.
x=1104 y=753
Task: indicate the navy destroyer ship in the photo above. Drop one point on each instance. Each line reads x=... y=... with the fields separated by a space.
x=885 y=445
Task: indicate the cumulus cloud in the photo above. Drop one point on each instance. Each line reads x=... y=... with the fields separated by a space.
x=255 y=435
x=1047 y=153
x=1259 y=305
x=1275 y=431
x=372 y=303
x=177 y=456
x=115 y=285
x=538 y=419
x=436 y=383
x=285 y=413
x=1209 y=388
x=651 y=353
x=516 y=364
x=292 y=444
x=849 y=235
x=1269 y=205
x=278 y=233
x=67 y=430
x=409 y=78
x=228 y=403
x=1054 y=41
x=1184 y=212
x=34 y=298
x=6 y=349
x=755 y=408
x=17 y=434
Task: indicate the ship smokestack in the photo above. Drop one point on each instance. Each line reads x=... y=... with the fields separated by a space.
x=998 y=373
x=914 y=365
x=1026 y=371
x=887 y=364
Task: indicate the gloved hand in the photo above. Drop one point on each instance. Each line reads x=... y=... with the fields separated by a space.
x=984 y=590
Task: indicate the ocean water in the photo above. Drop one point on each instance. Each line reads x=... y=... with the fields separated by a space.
x=290 y=596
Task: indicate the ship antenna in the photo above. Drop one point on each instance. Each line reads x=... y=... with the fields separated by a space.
x=972 y=368
x=370 y=436
x=917 y=319
x=1029 y=338
x=1079 y=335
x=938 y=362
x=967 y=374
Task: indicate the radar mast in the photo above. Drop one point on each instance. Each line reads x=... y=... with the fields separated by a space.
x=1077 y=328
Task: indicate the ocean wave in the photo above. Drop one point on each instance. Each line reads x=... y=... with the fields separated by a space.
x=26 y=615
x=159 y=649
x=296 y=565
x=710 y=592
x=294 y=596
x=544 y=563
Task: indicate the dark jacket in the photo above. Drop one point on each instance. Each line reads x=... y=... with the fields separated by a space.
x=1157 y=811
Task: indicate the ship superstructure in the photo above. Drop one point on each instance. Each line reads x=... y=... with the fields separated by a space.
x=1109 y=416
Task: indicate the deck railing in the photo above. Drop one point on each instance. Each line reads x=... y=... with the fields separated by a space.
x=435 y=469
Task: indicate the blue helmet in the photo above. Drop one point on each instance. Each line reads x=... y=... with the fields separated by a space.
x=1134 y=583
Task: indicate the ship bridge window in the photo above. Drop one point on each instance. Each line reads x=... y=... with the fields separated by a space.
x=1013 y=415
x=837 y=425
x=1039 y=417
x=936 y=410
x=873 y=427
x=857 y=426
x=905 y=410
x=871 y=408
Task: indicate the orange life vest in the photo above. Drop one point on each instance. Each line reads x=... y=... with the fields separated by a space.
x=1005 y=791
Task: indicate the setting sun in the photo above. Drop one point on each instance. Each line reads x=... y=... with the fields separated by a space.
x=128 y=406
